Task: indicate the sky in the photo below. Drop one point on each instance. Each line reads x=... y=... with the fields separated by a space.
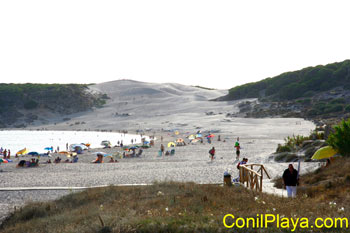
x=218 y=44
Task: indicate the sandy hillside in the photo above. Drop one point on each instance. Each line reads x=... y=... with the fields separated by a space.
x=137 y=105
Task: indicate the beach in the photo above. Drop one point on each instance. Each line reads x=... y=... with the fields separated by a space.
x=191 y=163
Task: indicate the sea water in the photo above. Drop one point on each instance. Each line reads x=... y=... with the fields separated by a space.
x=37 y=141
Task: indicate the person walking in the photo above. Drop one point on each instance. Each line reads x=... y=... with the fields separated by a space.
x=290 y=180
x=212 y=153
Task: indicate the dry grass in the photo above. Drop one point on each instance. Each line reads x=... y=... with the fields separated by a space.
x=163 y=207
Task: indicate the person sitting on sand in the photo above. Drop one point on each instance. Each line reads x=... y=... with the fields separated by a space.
x=99 y=159
x=75 y=159
x=34 y=163
x=57 y=160
x=21 y=163
x=48 y=161
x=112 y=160
x=139 y=153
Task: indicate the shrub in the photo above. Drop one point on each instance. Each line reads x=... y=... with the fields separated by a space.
x=333 y=108
x=30 y=104
x=284 y=148
x=340 y=138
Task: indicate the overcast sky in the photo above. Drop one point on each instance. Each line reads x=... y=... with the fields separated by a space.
x=217 y=44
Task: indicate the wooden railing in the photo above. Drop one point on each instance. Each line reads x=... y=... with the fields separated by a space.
x=253 y=179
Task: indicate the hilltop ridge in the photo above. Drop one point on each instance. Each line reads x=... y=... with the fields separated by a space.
x=316 y=92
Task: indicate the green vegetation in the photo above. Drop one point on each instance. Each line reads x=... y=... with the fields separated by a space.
x=292 y=85
x=164 y=207
x=340 y=138
x=295 y=142
x=60 y=98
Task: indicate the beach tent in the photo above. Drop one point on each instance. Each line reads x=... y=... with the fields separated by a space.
x=106 y=143
x=171 y=144
x=22 y=152
x=324 y=153
x=73 y=146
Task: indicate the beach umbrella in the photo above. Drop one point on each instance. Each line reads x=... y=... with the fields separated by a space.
x=179 y=140
x=210 y=136
x=33 y=153
x=198 y=135
x=48 y=148
x=171 y=144
x=100 y=153
x=22 y=152
x=191 y=137
x=3 y=161
x=64 y=152
x=71 y=154
x=324 y=153
x=82 y=147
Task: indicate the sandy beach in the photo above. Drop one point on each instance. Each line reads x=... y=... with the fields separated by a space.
x=190 y=163
x=159 y=110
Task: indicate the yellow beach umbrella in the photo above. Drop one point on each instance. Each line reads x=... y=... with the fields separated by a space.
x=324 y=153
x=171 y=144
x=191 y=137
x=22 y=152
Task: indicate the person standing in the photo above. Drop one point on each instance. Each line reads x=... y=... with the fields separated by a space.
x=8 y=154
x=290 y=180
x=162 y=148
x=212 y=153
x=238 y=148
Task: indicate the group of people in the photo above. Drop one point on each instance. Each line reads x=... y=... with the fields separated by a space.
x=290 y=176
x=163 y=152
x=32 y=163
x=5 y=153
